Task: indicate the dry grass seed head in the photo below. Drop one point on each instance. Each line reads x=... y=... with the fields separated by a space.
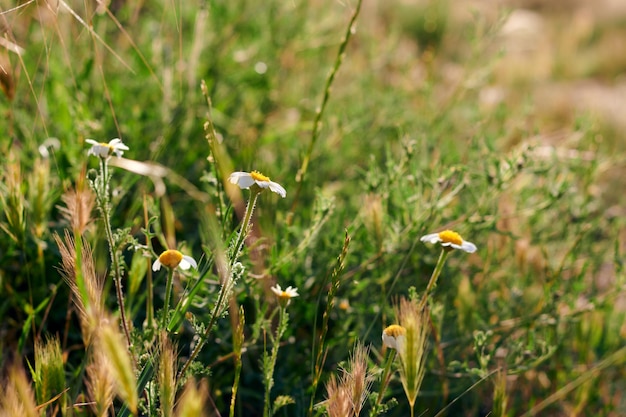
x=111 y=343
x=167 y=374
x=100 y=383
x=357 y=378
x=193 y=399
x=18 y=398
x=92 y=315
x=339 y=398
x=79 y=204
x=49 y=371
x=413 y=351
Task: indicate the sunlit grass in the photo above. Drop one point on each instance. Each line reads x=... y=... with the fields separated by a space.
x=378 y=126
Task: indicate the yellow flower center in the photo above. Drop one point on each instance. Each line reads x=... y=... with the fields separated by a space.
x=395 y=330
x=257 y=176
x=171 y=258
x=448 y=236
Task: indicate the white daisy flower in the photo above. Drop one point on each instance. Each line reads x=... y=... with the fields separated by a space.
x=450 y=239
x=284 y=296
x=246 y=179
x=104 y=150
x=393 y=336
x=172 y=259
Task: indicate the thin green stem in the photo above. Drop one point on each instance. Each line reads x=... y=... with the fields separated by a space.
x=105 y=209
x=300 y=176
x=318 y=364
x=243 y=231
x=149 y=293
x=241 y=237
x=271 y=364
x=384 y=381
x=168 y=295
x=435 y=275
x=237 y=347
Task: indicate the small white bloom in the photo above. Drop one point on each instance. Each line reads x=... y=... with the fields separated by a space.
x=284 y=296
x=393 y=336
x=246 y=179
x=451 y=239
x=104 y=150
x=174 y=259
x=288 y=292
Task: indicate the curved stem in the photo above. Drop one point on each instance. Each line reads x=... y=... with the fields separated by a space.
x=317 y=123
x=435 y=275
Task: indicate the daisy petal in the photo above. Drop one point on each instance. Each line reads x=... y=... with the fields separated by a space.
x=278 y=189
x=431 y=238
x=468 y=247
x=156 y=265
x=190 y=261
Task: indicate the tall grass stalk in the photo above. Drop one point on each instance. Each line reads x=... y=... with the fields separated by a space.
x=319 y=347
x=269 y=361
x=101 y=187
x=238 y=338
x=300 y=176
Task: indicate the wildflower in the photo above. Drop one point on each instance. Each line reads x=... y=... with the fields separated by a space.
x=393 y=336
x=247 y=179
x=172 y=258
x=104 y=150
x=284 y=296
x=450 y=239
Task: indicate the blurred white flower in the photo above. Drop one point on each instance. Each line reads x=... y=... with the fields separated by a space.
x=450 y=239
x=393 y=336
x=284 y=296
x=172 y=258
x=246 y=179
x=104 y=150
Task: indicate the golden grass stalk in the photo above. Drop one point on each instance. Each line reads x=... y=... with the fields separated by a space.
x=12 y=200
x=192 y=401
x=339 y=401
x=79 y=204
x=346 y=395
x=412 y=347
x=100 y=383
x=87 y=289
x=358 y=378
x=40 y=196
x=113 y=347
x=49 y=376
x=167 y=375
x=18 y=398
x=238 y=338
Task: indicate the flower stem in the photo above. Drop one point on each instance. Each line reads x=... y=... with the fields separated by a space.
x=236 y=251
x=434 y=276
x=384 y=381
x=105 y=209
x=168 y=295
x=245 y=225
x=271 y=361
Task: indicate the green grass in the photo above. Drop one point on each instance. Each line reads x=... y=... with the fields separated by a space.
x=533 y=323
